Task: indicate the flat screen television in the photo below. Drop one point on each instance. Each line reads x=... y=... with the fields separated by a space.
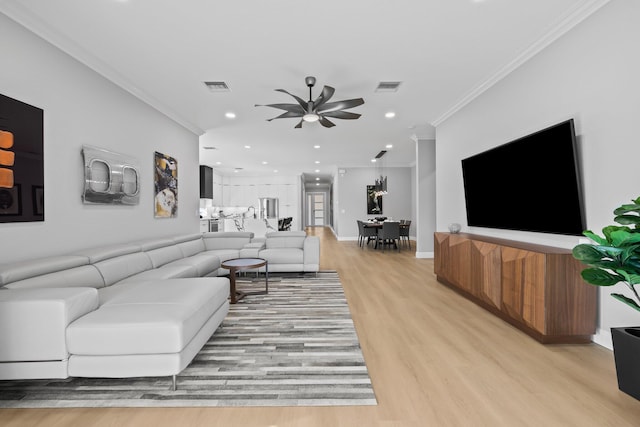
x=529 y=184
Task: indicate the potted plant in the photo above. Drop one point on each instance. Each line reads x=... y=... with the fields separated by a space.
x=612 y=259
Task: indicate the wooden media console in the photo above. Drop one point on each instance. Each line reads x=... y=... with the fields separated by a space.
x=536 y=288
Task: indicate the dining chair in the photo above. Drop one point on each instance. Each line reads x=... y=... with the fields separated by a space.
x=389 y=233
x=405 y=225
x=360 y=231
x=364 y=232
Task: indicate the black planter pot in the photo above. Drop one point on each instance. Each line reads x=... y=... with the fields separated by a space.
x=626 y=351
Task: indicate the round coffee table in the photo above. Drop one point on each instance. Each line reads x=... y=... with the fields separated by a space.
x=237 y=264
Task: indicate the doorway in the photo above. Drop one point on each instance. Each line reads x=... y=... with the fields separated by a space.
x=316 y=209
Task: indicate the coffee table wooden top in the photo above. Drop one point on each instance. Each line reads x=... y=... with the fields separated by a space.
x=244 y=263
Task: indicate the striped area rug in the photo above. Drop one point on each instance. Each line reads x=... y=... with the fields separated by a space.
x=296 y=346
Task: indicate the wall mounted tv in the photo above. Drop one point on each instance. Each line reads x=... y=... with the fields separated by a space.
x=529 y=184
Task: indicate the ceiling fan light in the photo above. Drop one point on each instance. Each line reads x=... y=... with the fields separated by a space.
x=310 y=117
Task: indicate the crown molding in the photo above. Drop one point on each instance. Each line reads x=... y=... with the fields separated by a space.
x=565 y=24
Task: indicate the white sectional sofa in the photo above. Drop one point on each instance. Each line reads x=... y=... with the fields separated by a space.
x=136 y=309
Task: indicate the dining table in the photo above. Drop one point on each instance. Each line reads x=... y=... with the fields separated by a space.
x=378 y=225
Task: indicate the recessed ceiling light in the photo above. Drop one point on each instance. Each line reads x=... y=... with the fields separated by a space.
x=317 y=170
x=265 y=163
x=374 y=160
x=317 y=183
x=389 y=114
x=317 y=162
x=230 y=115
x=275 y=171
x=317 y=179
x=389 y=146
x=247 y=146
x=218 y=163
x=316 y=146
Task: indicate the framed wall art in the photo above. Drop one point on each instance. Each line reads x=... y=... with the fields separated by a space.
x=21 y=158
x=374 y=201
x=109 y=177
x=166 y=186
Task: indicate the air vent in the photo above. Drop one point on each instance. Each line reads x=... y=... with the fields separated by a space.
x=217 y=86
x=208 y=147
x=380 y=154
x=388 y=86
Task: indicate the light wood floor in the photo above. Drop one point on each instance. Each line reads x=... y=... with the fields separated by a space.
x=435 y=359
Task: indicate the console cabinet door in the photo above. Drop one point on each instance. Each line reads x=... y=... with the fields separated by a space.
x=486 y=272
x=523 y=283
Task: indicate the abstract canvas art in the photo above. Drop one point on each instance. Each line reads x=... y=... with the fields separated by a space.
x=21 y=160
x=166 y=186
x=374 y=201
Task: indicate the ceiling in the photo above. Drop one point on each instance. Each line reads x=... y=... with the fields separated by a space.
x=444 y=52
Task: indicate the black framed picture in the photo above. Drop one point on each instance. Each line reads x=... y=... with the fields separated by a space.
x=374 y=201
x=21 y=159
x=10 y=201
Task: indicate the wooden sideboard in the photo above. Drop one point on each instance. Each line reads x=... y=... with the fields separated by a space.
x=536 y=288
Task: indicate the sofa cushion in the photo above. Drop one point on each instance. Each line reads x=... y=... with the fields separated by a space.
x=164 y=255
x=191 y=247
x=283 y=256
x=251 y=250
x=226 y=239
x=225 y=254
x=102 y=253
x=285 y=239
x=83 y=276
x=186 y=237
x=115 y=269
x=31 y=268
x=39 y=318
x=149 y=245
x=205 y=263
x=169 y=271
x=149 y=318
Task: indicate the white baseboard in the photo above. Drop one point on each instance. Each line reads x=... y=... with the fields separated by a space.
x=603 y=338
x=347 y=238
x=424 y=255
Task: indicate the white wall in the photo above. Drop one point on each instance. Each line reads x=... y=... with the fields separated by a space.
x=425 y=178
x=591 y=74
x=351 y=203
x=80 y=107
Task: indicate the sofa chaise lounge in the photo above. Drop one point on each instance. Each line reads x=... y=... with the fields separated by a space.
x=135 y=309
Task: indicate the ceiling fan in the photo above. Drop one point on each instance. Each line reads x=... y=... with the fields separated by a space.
x=318 y=109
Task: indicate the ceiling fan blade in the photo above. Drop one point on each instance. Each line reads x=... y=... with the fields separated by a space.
x=327 y=93
x=346 y=115
x=287 y=115
x=301 y=101
x=299 y=125
x=292 y=108
x=340 y=105
x=326 y=122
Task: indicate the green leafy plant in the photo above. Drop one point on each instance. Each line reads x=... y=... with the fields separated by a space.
x=615 y=257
